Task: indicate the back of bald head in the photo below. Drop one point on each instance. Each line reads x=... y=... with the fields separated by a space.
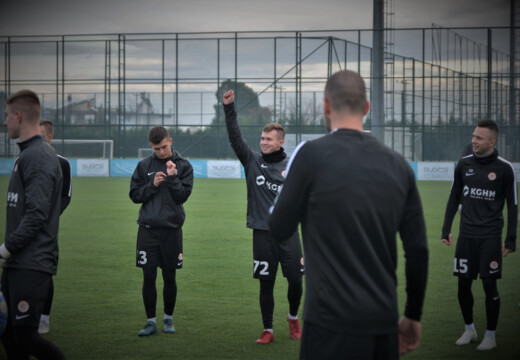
x=27 y=103
x=346 y=92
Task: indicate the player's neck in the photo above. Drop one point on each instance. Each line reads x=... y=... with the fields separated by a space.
x=351 y=123
x=486 y=154
x=28 y=132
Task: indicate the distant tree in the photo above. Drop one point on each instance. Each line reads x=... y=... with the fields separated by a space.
x=311 y=120
x=247 y=105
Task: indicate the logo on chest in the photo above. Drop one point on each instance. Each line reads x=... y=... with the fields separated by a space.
x=12 y=199
x=261 y=181
x=481 y=194
x=470 y=172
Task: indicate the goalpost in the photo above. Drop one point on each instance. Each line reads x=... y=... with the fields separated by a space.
x=84 y=149
x=144 y=152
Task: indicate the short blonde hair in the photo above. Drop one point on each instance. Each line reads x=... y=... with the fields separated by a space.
x=26 y=102
x=48 y=125
x=275 y=126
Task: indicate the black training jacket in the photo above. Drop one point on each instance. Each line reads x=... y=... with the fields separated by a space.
x=33 y=208
x=482 y=185
x=352 y=194
x=66 y=190
x=263 y=178
x=161 y=206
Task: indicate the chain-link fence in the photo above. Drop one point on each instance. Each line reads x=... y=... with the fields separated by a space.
x=437 y=84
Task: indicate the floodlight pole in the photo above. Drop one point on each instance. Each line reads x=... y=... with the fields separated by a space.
x=512 y=76
x=377 y=112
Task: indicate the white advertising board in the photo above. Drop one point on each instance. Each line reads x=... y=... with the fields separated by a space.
x=224 y=169
x=92 y=167
x=435 y=171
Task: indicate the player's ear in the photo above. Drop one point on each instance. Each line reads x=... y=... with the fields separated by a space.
x=326 y=106
x=367 y=108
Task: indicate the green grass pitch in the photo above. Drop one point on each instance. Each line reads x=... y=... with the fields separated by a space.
x=98 y=310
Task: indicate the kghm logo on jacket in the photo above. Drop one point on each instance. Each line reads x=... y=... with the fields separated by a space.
x=481 y=194
x=261 y=181
x=12 y=199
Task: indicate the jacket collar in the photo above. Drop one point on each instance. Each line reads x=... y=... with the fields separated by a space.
x=33 y=140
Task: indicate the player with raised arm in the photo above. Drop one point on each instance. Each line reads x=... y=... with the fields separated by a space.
x=482 y=183
x=264 y=178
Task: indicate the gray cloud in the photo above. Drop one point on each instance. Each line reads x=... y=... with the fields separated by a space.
x=56 y=17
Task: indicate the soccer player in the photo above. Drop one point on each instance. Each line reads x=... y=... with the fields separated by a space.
x=352 y=194
x=482 y=182
x=161 y=183
x=47 y=131
x=29 y=254
x=264 y=178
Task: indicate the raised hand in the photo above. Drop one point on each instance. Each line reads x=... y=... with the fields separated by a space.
x=228 y=97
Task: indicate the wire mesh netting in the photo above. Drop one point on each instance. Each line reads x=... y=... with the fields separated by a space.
x=437 y=84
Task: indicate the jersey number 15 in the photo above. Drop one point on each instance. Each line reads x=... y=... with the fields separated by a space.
x=460 y=266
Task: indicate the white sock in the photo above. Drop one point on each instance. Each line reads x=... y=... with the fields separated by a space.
x=270 y=330
x=44 y=318
x=168 y=316
x=470 y=326
x=153 y=319
x=290 y=317
x=490 y=333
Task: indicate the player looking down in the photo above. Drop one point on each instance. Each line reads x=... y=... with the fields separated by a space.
x=161 y=183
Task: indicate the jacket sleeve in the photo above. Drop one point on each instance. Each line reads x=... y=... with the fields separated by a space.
x=512 y=210
x=66 y=189
x=180 y=186
x=141 y=188
x=453 y=202
x=239 y=145
x=413 y=235
x=39 y=179
x=291 y=202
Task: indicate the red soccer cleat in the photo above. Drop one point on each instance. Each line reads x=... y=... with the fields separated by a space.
x=294 y=329
x=265 y=338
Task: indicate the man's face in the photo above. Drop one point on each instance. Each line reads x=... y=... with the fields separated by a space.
x=12 y=121
x=163 y=150
x=483 y=143
x=269 y=142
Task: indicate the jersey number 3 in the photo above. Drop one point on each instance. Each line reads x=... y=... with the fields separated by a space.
x=142 y=258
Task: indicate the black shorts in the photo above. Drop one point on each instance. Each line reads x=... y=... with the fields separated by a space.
x=159 y=248
x=475 y=256
x=25 y=292
x=267 y=253
x=324 y=344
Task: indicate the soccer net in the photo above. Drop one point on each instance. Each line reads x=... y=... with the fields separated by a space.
x=84 y=149
x=144 y=152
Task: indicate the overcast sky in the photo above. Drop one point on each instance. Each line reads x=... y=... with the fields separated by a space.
x=59 y=17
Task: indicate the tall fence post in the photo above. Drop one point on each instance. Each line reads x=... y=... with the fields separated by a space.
x=377 y=115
